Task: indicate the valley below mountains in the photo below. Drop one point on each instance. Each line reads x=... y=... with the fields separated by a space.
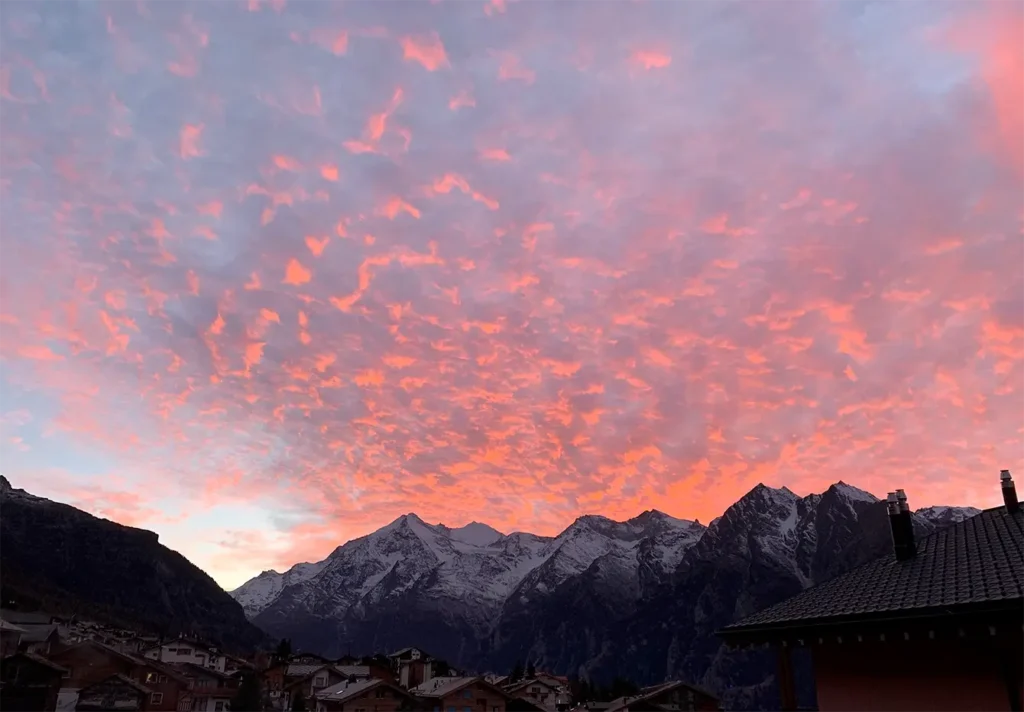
x=640 y=598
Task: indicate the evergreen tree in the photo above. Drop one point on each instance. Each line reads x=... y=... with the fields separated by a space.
x=531 y=670
x=621 y=687
x=517 y=672
x=284 y=649
x=299 y=705
x=248 y=698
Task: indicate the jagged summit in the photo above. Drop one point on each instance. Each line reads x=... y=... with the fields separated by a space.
x=853 y=493
x=574 y=601
x=476 y=534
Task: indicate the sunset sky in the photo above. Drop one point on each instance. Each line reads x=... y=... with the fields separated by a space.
x=273 y=275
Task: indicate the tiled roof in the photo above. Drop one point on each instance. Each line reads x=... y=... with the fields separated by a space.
x=441 y=686
x=346 y=690
x=357 y=670
x=4 y=625
x=977 y=561
x=37 y=633
x=124 y=679
x=653 y=691
x=515 y=687
x=40 y=660
x=303 y=669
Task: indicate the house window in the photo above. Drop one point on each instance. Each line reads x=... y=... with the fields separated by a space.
x=467 y=709
x=380 y=693
x=451 y=709
x=66 y=674
x=320 y=681
x=161 y=678
x=150 y=677
x=218 y=706
x=468 y=694
x=156 y=698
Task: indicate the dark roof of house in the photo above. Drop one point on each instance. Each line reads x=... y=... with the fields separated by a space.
x=123 y=679
x=38 y=660
x=649 y=693
x=438 y=687
x=136 y=659
x=193 y=670
x=32 y=633
x=976 y=562
x=18 y=617
x=516 y=686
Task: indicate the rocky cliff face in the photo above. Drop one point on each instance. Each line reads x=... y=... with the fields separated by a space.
x=67 y=561
x=640 y=598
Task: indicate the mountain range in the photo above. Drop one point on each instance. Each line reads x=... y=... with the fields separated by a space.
x=640 y=598
x=62 y=560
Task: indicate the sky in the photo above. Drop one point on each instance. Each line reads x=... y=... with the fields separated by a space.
x=272 y=275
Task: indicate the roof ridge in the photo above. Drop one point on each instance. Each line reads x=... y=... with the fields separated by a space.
x=946 y=571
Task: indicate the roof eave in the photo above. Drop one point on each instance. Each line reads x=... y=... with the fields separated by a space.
x=939 y=614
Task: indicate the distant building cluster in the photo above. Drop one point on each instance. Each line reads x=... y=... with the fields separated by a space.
x=55 y=665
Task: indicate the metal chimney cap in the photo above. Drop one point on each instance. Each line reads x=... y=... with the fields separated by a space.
x=1004 y=476
x=901 y=495
x=891 y=497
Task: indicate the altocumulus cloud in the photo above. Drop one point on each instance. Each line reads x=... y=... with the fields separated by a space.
x=274 y=274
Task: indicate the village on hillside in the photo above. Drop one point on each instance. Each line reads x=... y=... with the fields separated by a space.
x=55 y=665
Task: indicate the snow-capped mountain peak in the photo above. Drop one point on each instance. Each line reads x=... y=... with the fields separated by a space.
x=853 y=493
x=944 y=516
x=476 y=534
x=475 y=595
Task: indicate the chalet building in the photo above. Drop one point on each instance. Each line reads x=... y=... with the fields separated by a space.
x=307 y=680
x=188 y=651
x=39 y=639
x=936 y=625
x=415 y=671
x=666 y=696
x=10 y=638
x=29 y=683
x=90 y=662
x=212 y=691
x=368 y=695
x=411 y=667
x=461 y=694
x=407 y=654
x=117 y=692
x=234 y=664
x=542 y=691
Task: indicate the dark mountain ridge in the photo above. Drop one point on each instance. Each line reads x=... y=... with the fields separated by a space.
x=67 y=562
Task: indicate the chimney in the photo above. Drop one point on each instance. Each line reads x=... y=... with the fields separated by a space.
x=902 y=526
x=1009 y=491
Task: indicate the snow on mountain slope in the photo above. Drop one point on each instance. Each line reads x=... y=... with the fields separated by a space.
x=944 y=516
x=474 y=564
x=473 y=594
x=255 y=594
x=476 y=534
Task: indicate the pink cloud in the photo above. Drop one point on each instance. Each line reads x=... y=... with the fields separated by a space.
x=534 y=284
